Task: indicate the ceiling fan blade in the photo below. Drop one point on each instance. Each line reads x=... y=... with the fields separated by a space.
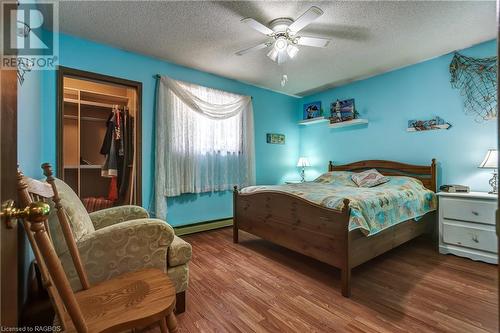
x=257 y=26
x=253 y=48
x=313 y=41
x=305 y=19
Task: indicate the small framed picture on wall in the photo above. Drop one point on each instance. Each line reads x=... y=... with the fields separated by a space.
x=275 y=138
x=312 y=110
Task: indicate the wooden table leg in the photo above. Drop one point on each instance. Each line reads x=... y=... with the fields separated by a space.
x=171 y=323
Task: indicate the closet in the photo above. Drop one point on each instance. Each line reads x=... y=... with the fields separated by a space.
x=99 y=153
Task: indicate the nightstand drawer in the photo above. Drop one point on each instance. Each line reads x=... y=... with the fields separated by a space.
x=469 y=210
x=475 y=236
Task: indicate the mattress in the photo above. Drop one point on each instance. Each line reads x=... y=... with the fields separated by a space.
x=371 y=209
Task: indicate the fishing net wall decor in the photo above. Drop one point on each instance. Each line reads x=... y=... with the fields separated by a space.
x=476 y=78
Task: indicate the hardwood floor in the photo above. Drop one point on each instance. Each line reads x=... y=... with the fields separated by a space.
x=256 y=286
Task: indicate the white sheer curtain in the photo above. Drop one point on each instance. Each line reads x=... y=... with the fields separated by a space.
x=204 y=141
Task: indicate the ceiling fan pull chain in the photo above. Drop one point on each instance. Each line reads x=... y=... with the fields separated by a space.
x=284 y=80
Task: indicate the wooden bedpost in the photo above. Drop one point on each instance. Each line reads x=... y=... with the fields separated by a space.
x=346 y=269
x=235 y=223
x=330 y=166
x=433 y=175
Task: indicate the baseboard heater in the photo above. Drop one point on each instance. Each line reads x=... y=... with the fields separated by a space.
x=203 y=226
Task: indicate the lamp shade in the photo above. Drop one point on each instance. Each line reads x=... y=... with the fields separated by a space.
x=303 y=162
x=491 y=160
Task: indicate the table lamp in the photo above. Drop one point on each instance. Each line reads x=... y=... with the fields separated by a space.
x=491 y=162
x=303 y=163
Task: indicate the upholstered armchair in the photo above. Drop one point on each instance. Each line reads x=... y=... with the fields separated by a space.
x=117 y=240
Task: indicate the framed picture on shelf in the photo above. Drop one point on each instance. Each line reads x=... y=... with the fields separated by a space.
x=312 y=110
x=342 y=111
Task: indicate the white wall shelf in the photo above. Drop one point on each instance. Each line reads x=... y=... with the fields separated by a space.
x=346 y=123
x=436 y=127
x=312 y=121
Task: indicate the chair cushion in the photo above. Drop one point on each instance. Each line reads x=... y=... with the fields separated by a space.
x=77 y=216
x=179 y=252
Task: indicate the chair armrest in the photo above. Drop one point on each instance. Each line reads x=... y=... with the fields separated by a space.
x=125 y=247
x=179 y=252
x=109 y=216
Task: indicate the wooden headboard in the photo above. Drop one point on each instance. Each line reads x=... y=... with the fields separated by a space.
x=426 y=174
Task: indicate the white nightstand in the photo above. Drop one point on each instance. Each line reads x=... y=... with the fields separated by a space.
x=467 y=225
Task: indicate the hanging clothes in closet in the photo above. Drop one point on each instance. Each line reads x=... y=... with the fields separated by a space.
x=118 y=148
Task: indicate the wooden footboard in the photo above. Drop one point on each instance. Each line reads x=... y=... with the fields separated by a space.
x=296 y=224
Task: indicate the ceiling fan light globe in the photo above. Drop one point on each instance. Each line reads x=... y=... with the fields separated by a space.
x=292 y=51
x=282 y=57
x=273 y=54
x=281 y=44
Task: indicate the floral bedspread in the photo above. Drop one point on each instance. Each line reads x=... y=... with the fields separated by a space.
x=372 y=209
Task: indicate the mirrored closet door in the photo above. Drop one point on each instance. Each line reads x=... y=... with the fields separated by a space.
x=99 y=133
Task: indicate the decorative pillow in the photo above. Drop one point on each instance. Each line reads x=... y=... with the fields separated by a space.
x=369 y=178
x=342 y=178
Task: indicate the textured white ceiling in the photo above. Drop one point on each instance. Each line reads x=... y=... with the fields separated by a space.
x=367 y=37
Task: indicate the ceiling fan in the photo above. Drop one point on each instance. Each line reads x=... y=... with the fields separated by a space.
x=283 y=34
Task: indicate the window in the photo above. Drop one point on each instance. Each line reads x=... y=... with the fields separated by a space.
x=204 y=140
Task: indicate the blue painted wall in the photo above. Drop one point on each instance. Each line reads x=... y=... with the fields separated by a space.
x=273 y=112
x=29 y=134
x=29 y=131
x=388 y=101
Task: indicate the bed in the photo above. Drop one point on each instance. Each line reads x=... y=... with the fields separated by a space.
x=326 y=232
